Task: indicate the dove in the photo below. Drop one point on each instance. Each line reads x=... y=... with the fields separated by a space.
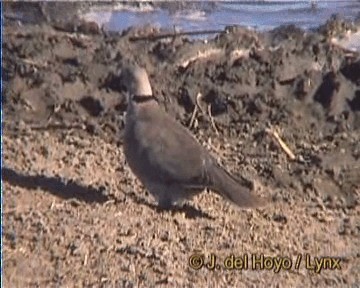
x=167 y=159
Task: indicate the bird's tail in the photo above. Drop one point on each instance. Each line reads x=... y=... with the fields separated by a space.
x=232 y=189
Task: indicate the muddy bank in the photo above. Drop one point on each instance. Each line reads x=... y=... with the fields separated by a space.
x=70 y=200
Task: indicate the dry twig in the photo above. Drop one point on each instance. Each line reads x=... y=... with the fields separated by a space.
x=212 y=120
x=196 y=108
x=171 y=35
x=282 y=144
x=193 y=116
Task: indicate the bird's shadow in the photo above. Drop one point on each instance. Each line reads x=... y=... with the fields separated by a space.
x=189 y=211
x=55 y=186
x=70 y=189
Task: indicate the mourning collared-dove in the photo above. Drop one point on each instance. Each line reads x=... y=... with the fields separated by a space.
x=164 y=155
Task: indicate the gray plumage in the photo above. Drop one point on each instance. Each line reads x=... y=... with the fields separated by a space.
x=164 y=155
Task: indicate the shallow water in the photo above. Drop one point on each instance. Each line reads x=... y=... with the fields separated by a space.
x=262 y=15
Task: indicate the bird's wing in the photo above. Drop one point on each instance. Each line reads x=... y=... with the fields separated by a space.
x=171 y=153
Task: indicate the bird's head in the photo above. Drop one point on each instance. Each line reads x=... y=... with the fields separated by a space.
x=135 y=80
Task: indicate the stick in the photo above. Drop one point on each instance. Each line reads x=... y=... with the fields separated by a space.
x=212 y=120
x=171 y=35
x=193 y=116
x=196 y=108
x=282 y=144
x=198 y=97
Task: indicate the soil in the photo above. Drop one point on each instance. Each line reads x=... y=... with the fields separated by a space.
x=75 y=216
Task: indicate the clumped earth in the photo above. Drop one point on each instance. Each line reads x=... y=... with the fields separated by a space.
x=75 y=216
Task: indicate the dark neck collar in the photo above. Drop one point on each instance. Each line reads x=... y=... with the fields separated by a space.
x=143 y=98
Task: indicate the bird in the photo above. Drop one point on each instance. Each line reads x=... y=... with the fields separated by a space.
x=164 y=155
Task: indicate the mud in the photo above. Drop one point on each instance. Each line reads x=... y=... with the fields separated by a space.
x=75 y=216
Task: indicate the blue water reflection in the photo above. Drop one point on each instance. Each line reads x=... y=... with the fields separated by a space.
x=262 y=15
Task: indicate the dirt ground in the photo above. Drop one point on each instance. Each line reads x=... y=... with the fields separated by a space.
x=74 y=216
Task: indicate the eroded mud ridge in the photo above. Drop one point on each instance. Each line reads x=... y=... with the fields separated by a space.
x=75 y=216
